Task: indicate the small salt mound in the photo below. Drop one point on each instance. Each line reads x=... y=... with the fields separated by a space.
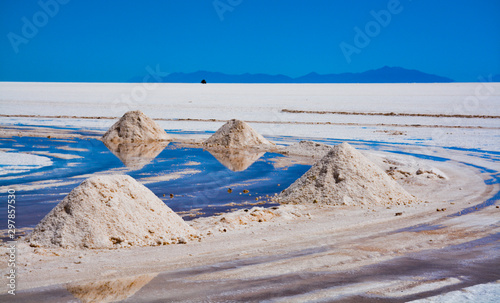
x=345 y=177
x=307 y=149
x=135 y=126
x=110 y=212
x=236 y=134
x=247 y=217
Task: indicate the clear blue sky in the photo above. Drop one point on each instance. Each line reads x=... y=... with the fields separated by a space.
x=112 y=41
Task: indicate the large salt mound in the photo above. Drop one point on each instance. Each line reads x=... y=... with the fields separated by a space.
x=236 y=134
x=135 y=127
x=345 y=177
x=110 y=212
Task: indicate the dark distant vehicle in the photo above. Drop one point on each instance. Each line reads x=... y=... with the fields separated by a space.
x=203 y=81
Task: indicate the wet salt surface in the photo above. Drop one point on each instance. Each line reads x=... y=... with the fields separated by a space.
x=198 y=182
x=420 y=227
x=195 y=178
x=464 y=265
x=469 y=263
x=494 y=179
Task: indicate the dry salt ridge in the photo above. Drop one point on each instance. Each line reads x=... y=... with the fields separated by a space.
x=344 y=194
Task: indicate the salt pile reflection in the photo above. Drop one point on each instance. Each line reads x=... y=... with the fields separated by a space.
x=236 y=159
x=136 y=155
x=109 y=290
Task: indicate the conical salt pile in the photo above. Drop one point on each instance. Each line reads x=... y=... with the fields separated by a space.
x=345 y=177
x=110 y=212
x=236 y=134
x=133 y=127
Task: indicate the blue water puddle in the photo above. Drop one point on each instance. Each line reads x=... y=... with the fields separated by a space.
x=85 y=151
x=208 y=188
x=480 y=151
x=421 y=156
x=199 y=180
x=74 y=130
x=420 y=227
x=203 y=183
x=481 y=168
x=193 y=132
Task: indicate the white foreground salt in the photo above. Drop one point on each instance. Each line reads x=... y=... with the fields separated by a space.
x=482 y=293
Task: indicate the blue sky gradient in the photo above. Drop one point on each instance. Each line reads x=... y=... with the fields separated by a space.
x=113 y=41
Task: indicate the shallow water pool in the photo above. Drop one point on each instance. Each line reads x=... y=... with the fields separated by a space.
x=190 y=180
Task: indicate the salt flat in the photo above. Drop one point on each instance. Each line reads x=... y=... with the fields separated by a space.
x=213 y=104
x=322 y=253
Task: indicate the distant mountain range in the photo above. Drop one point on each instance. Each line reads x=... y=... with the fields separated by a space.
x=382 y=75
